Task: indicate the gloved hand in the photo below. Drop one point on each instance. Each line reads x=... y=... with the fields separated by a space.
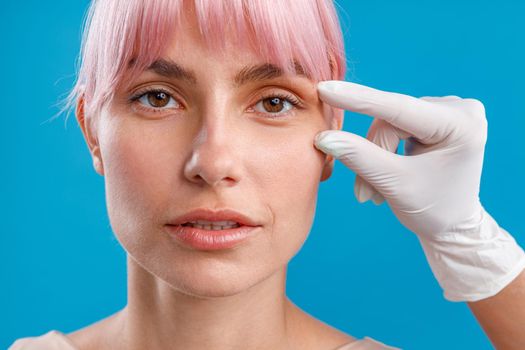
x=433 y=189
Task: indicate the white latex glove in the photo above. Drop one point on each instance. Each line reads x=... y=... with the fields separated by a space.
x=433 y=188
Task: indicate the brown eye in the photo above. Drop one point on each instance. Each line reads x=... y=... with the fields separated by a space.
x=158 y=98
x=277 y=105
x=155 y=100
x=273 y=104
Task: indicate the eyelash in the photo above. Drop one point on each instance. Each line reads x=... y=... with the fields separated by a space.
x=283 y=96
x=136 y=97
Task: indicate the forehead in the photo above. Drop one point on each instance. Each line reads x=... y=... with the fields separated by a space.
x=186 y=55
x=188 y=58
x=188 y=48
x=188 y=43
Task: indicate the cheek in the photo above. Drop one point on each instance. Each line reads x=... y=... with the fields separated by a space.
x=293 y=165
x=290 y=168
x=137 y=183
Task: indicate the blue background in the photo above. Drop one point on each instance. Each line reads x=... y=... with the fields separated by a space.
x=63 y=269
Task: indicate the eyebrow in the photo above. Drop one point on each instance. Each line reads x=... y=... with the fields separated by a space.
x=172 y=70
x=253 y=73
x=261 y=72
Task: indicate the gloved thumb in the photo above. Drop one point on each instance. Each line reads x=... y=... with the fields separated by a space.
x=374 y=164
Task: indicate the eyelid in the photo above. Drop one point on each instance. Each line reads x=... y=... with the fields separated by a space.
x=149 y=89
x=136 y=96
x=285 y=93
x=282 y=93
x=291 y=98
x=286 y=90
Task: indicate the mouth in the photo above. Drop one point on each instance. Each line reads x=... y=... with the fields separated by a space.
x=206 y=229
x=212 y=225
x=198 y=236
x=214 y=219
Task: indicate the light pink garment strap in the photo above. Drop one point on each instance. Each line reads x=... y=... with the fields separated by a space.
x=52 y=340
x=366 y=343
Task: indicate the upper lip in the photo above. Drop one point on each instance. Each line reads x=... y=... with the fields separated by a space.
x=214 y=215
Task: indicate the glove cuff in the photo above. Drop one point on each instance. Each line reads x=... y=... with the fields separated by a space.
x=474 y=260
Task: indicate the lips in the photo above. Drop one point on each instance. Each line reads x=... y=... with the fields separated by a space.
x=214 y=215
x=212 y=240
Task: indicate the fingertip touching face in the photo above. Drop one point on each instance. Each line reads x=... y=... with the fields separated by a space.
x=203 y=129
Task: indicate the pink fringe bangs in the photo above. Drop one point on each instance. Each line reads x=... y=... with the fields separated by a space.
x=117 y=32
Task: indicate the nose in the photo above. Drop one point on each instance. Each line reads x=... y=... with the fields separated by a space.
x=214 y=159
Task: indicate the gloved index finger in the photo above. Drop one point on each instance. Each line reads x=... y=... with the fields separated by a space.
x=419 y=118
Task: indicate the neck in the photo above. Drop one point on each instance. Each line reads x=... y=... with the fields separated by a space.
x=158 y=316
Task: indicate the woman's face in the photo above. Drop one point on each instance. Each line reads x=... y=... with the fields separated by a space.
x=211 y=142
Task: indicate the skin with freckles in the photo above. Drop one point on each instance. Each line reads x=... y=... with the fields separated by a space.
x=210 y=144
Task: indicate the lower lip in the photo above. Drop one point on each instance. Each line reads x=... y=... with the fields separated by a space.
x=202 y=239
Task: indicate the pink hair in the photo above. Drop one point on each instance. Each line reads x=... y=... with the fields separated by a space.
x=117 y=32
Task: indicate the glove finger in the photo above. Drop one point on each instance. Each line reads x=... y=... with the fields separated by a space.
x=377 y=166
x=439 y=98
x=378 y=198
x=387 y=137
x=363 y=191
x=428 y=122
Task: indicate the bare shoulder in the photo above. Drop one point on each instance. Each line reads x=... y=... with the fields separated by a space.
x=94 y=336
x=312 y=333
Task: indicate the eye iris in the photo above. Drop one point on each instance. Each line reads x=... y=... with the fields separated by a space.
x=158 y=99
x=274 y=104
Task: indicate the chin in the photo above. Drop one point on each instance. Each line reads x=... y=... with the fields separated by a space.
x=216 y=280
x=203 y=275
x=208 y=287
x=212 y=292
